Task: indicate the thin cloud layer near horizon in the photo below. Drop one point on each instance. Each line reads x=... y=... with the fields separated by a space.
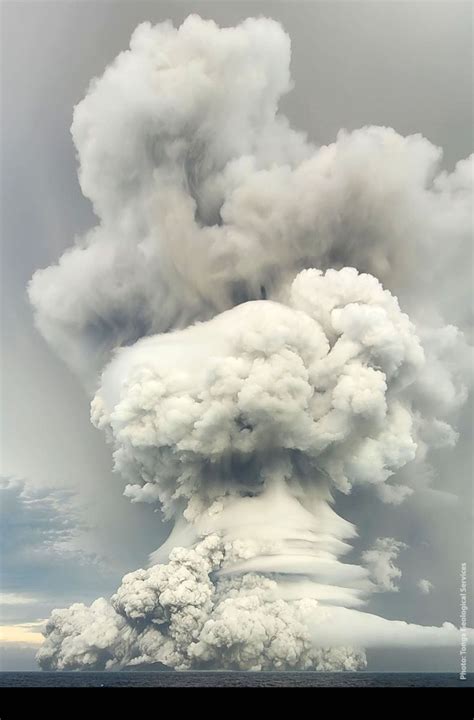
x=333 y=402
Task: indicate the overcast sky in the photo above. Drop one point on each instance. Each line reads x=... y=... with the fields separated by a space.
x=68 y=532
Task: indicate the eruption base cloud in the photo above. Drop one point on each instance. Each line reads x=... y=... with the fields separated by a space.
x=178 y=615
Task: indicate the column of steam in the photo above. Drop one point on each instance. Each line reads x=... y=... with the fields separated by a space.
x=243 y=417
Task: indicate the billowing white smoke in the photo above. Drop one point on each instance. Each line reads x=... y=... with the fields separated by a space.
x=206 y=196
x=274 y=369
x=379 y=561
x=175 y=614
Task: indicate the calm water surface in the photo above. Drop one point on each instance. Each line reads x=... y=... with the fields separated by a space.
x=234 y=679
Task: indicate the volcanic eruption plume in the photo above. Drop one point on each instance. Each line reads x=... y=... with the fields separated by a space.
x=239 y=315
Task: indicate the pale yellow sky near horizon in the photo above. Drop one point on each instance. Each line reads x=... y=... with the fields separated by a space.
x=24 y=634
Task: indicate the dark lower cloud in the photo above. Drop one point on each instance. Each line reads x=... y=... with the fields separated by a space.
x=18 y=657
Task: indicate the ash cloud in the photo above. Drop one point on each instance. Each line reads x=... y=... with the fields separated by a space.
x=175 y=614
x=380 y=562
x=256 y=320
x=425 y=586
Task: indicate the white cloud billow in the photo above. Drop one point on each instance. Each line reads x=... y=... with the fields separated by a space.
x=425 y=586
x=240 y=314
x=379 y=561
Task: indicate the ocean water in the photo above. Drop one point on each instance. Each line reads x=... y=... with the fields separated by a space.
x=231 y=679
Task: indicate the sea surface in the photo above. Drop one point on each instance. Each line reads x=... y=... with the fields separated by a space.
x=231 y=679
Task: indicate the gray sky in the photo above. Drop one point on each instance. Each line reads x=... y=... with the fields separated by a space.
x=403 y=64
